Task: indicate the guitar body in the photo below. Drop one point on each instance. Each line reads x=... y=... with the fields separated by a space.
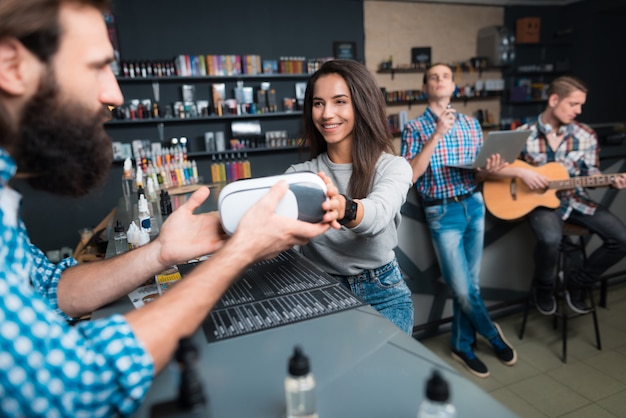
x=511 y=199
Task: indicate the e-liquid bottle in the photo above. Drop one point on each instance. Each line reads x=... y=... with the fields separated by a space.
x=128 y=182
x=144 y=214
x=300 y=387
x=436 y=404
x=119 y=238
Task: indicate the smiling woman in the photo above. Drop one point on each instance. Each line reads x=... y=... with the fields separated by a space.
x=346 y=126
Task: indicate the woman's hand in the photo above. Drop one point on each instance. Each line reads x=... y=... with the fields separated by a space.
x=335 y=205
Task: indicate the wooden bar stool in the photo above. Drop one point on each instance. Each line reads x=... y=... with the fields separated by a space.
x=572 y=241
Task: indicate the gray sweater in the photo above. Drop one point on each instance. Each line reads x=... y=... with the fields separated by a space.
x=370 y=244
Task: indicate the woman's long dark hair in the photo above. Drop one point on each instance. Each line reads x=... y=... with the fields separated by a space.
x=371 y=135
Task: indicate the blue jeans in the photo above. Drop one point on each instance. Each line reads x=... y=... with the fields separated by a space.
x=547 y=226
x=386 y=291
x=457 y=232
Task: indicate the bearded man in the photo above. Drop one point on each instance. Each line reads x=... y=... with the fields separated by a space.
x=55 y=86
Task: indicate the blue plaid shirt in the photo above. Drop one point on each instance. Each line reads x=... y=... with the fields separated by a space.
x=47 y=366
x=579 y=153
x=459 y=146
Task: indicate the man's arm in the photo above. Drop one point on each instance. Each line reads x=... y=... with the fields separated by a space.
x=419 y=163
x=184 y=236
x=261 y=234
x=533 y=179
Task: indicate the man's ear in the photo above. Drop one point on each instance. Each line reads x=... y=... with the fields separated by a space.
x=13 y=67
x=553 y=100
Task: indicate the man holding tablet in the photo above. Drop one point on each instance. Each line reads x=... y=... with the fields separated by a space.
x=454 y=211
x=507 y=144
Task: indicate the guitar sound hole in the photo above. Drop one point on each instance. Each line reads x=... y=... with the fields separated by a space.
x=513 y=188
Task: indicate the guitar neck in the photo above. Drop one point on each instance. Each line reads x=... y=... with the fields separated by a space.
x=601 y=180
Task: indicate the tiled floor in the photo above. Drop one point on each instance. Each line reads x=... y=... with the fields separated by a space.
x=591 y=384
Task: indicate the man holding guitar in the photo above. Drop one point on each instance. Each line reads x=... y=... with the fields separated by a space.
x=561 y=155
x=454 y=211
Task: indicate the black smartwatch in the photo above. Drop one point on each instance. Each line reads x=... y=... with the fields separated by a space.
x=349 y=214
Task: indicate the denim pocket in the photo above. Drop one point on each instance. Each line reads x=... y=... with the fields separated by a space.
x=388 y=279
x=434 y=214
x=385 y=289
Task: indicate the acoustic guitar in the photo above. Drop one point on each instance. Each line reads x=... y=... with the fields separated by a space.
x=510 y=198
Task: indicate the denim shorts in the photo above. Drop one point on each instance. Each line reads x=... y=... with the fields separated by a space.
x=386 y=291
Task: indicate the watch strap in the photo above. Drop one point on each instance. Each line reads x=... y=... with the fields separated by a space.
x=349 y=213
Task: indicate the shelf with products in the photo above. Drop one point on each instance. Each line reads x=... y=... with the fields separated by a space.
x=190 y=97
x=255 y=116
x=229 y=152
x=529 y=86
x=172 y=168
x=190 y=106
x=288 y=114
x=395 y=71
x=183 y=78
x=281 y=148
x=527 y=80
x=535 y=73
x=464 y=99
x=218 y=65
x=526 y=102
x=478 y=87
x=556 y=43
x=463 y=67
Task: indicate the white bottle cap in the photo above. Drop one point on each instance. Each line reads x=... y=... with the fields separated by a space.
x=128 y=167
x=142 y=205
x=139 y=179
x=150 y=188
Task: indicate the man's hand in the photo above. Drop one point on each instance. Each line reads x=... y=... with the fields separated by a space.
x=185 y=235
x=620 y=181
x=533 y=179
x=494 y=164
x=263 y=234
x=445 y=121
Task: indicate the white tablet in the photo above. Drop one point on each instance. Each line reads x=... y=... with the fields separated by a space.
x=508 y=144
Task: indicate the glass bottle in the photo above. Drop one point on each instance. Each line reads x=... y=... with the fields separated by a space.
x=300 y=387
x=436 y=403
x=119 y=238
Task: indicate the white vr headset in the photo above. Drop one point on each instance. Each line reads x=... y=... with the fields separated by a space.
x=303 y=200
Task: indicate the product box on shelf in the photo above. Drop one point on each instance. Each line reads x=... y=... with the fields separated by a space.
x=528 y=30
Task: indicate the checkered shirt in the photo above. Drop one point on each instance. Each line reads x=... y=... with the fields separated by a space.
x=49 y=367
x=578 y=152
x=459 y=145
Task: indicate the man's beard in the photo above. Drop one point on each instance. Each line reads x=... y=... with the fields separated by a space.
x=62 y=146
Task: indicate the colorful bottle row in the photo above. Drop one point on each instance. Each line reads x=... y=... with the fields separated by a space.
x=164 y=157
x=174 y=175
x=230 y=169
